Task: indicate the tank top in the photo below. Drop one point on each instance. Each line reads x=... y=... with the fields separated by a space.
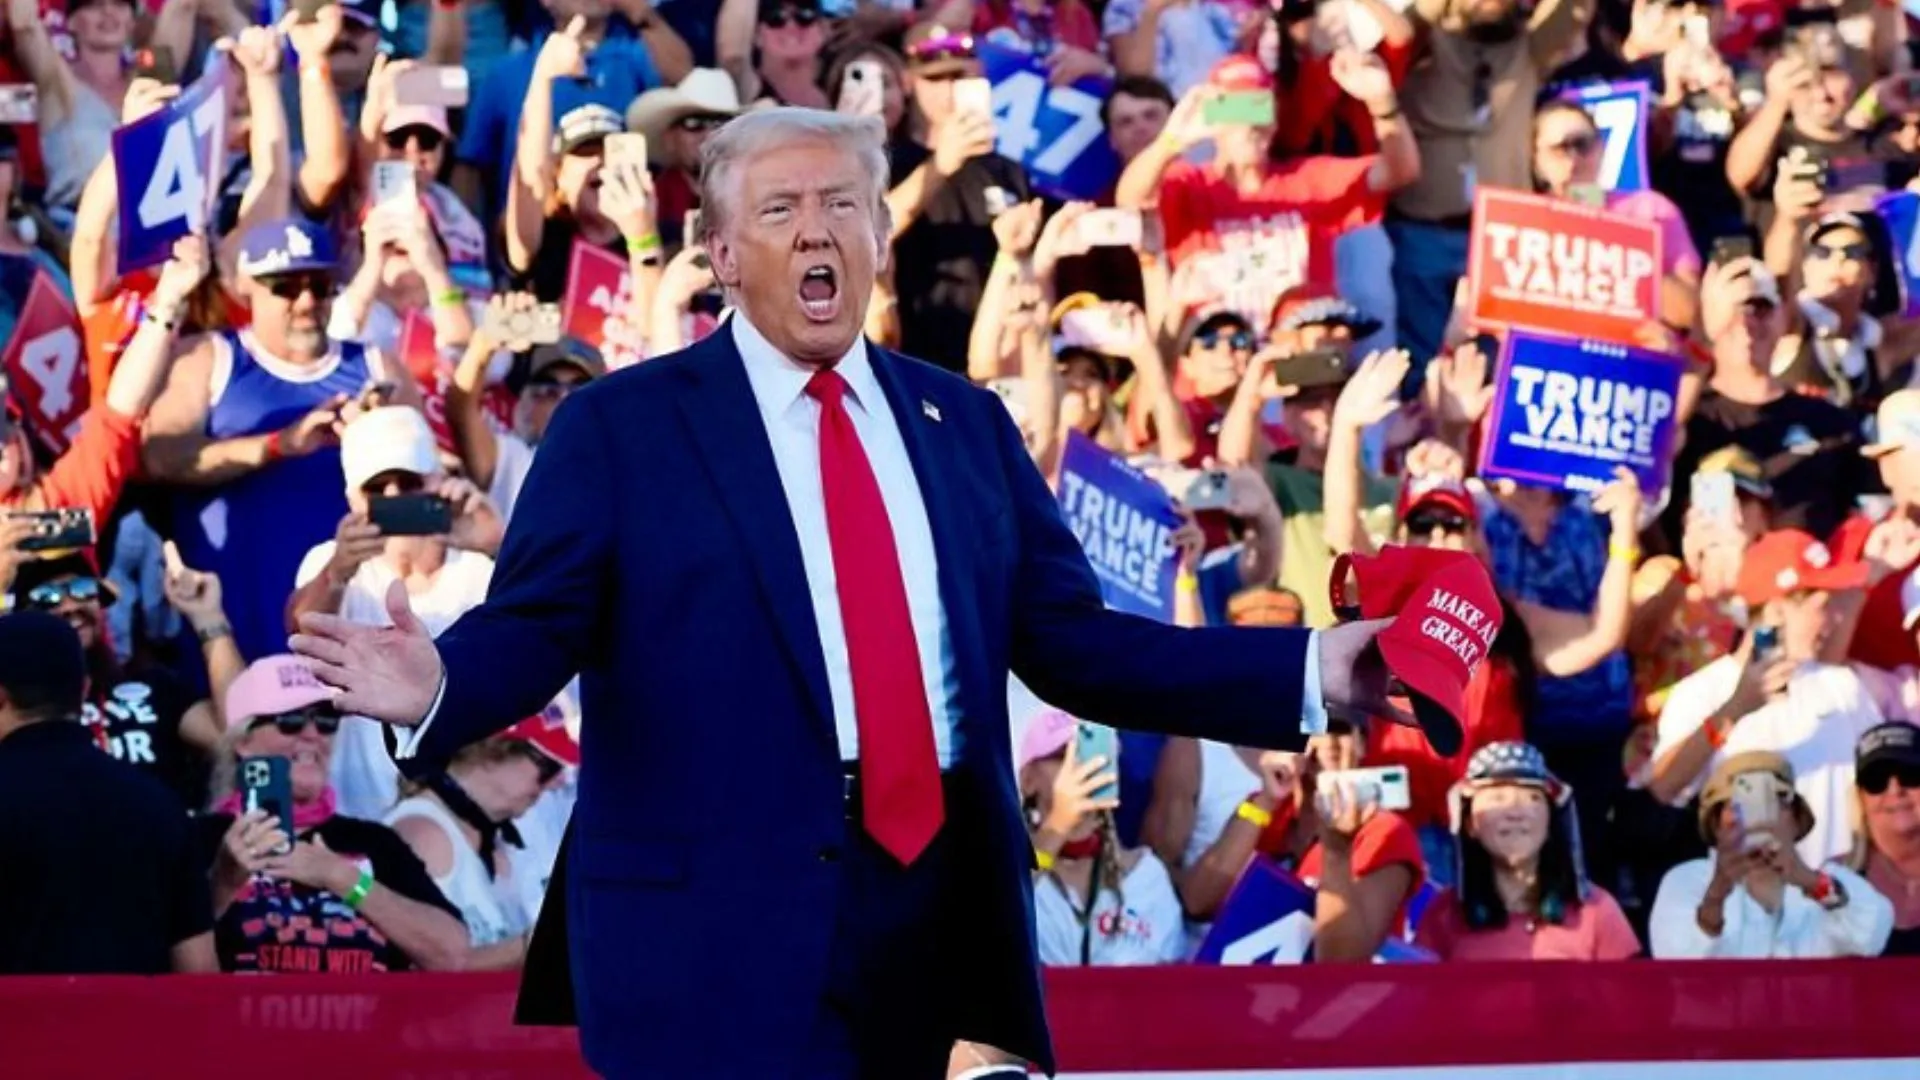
x=73 y=148
x=1225 y=783
x=254 y=531
x=488 y=906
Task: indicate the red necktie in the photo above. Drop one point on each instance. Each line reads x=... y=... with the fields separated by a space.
x=900 y=798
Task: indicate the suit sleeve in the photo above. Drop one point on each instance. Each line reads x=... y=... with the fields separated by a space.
x=544 y=616
x=1236 y=685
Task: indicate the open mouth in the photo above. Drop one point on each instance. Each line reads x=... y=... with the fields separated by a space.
x=820 y=293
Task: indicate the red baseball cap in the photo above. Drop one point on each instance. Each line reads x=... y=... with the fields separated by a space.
x=1436 y=489
x=1445 y=616
x=1787 y=561
x=548 y=734
x=1239 y=72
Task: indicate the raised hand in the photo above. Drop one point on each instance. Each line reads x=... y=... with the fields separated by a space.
x=1373 y=394
x=388 y=673
x=1073 y=789
x=1355 y=684
x=312 y=41
x=195 y=594
x=1018 y=229
x=564 y=54
x=1457 y=390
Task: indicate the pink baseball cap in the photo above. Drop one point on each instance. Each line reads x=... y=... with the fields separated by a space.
x=406 y=116
x=1445 y=616
x=271 y=686
x=1047 y=734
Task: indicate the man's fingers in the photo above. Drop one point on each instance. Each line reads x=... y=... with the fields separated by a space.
x=325 y=650
x=401 y=612
x=333 y=627
x=577 y=28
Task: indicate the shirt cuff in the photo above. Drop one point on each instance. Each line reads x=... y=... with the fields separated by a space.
x=407 y=742
x=1313 y=707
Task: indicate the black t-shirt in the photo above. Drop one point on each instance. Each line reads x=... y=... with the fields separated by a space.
x=547 y=279
x=137 y=717
x=99 y=872
x=278 y=926
x=1810 y=450
x=1693 y=170
x=1850 y=165
x=940 y=263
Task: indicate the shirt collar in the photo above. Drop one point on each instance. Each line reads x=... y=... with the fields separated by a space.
x=779 y=381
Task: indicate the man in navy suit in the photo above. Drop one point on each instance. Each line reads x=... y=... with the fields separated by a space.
x=794 y=571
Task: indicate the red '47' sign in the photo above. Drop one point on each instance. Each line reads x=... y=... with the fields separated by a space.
x=1555 y=264
x=46 y=366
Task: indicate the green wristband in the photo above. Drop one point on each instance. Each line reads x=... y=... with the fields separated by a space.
x=646 y=245
x=358 y=894
x=451 y=298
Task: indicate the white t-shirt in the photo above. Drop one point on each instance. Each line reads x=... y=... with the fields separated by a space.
x=494 y=909
x=364 y=777
x=511 y=463
x=1146 y=929
x=1815 y=727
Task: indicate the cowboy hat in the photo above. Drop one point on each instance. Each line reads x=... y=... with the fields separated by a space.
x=704 y=92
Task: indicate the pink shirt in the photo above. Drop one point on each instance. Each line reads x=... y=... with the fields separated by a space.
x=1596 y=930
x=1678 y=256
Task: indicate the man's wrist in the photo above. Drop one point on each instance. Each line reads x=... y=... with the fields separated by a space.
x=211 y=629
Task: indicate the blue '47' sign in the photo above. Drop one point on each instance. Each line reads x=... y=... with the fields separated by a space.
x=1054 y=132
x=1619 y=110
x=168 y=166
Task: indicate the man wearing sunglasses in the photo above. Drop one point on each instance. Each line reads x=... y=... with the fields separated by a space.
x=102 y=874
x=497 y=461
x=247 y=428
x=1835 y=344
x=677 y=121
x=141 y=714
x=789 y=38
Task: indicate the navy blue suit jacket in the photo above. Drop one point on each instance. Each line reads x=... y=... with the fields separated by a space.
x=652 y=552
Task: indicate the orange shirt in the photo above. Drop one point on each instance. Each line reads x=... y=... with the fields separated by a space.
x=92 y=472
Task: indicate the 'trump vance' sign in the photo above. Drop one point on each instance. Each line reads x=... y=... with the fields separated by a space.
x=1562 y=266
x=1126 y=523
x=1567 y=412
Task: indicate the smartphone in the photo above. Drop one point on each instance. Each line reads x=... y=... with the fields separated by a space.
x=418 y=514
x=1385 y=788
x=1110 y=227
x=19 y=103
x=626 y=147
x=1729 y=249
x=1245 y=108
x=973 y=95
x=1766 y=643
x=1207 y=492
x=444 y=85
x=1592 y=195
x=1698 y=30
x=266 y=783
x=395 y=183
x=1098 y=740
x=862 y=88
x=156 y=63
x=541 y=326
x=1102 y=328
x=57 y=530
x=1713 y=495
x=690 y=228
x=1756 y=806
x=1804 y=163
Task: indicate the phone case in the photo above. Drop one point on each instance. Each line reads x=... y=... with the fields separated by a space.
x=973 y=95
x=1385 y=788
x=1756 y=805
x=1111 y=228
x=444 y=85
x=1713 y=495
x=412 y=515
x=1207 y=492
x=1098 y=740
x=19 y=103
x=58 y=530
x=394 y=182
x=1252 y=108
x=266 y=783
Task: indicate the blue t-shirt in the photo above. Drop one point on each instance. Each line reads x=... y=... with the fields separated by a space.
x=618 y=70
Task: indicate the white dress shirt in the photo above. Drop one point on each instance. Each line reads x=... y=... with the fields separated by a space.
x=792 y=420
x=1801 y=929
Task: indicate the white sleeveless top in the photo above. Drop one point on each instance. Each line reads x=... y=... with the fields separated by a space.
x=492 y=909
x=1225 y=783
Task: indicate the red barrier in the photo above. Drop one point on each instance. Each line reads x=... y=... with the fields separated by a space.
x=1188 y=1019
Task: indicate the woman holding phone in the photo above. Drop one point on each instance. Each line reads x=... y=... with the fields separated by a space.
x=340 y=895
x=1094 y=901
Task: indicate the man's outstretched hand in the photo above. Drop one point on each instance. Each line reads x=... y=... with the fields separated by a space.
x=1357 y=685
x=389 y=673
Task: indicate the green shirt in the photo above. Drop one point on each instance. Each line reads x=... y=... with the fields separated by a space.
x=1306 y=562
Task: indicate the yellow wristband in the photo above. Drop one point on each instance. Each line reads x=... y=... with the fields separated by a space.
x=1623 y=552
x=1187 y=582
x=1246 y=811
x=1043 y=859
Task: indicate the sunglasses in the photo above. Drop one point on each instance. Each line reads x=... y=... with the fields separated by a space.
x=780 y=19
x=394 y=481
x=1424 y=524
x=548 y=767
x=1576 y=145
x=551 y=389
x=292 y=286
x=1850 y=252
x=80 y=590
x=699 y=124
x=426 y=138
x=325 y=721
x=1875 y=781
x=1239 y=339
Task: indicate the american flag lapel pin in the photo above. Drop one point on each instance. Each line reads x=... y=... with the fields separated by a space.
x=932 y=411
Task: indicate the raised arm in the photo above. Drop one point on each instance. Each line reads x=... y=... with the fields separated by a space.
x=322 y=123
x=563 y=53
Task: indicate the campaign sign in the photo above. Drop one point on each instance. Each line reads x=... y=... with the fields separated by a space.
x=1567 y=412
x=1268 y=919
x=45 y=366
x=433 y=373
x=1126 y=523
x=1562 y=266
x=168 y=167
x=1054 y=132
x=1900 y=210
x=1619 y=110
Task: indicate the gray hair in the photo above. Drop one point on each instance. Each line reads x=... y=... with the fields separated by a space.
x=753 y=133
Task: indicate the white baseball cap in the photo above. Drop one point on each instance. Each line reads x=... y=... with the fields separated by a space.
x=392 y=438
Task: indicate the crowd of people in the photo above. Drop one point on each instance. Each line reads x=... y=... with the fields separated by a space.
x=1693 y=736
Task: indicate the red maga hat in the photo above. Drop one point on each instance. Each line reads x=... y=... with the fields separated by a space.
x=1445 y=616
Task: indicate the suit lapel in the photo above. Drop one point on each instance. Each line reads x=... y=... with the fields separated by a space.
x=724 y=420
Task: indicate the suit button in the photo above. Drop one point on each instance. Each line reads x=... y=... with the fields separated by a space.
x=830 y=854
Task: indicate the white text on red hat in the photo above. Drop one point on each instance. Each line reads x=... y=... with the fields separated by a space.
x=1463 y=628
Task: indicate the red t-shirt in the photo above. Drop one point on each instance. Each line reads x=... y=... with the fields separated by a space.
x=1249 y=248
x=1493 y=715
x=1385 y=839
x=1594 y=930
x=1314 y=108
x=1879 y=638
x=1072 y=24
